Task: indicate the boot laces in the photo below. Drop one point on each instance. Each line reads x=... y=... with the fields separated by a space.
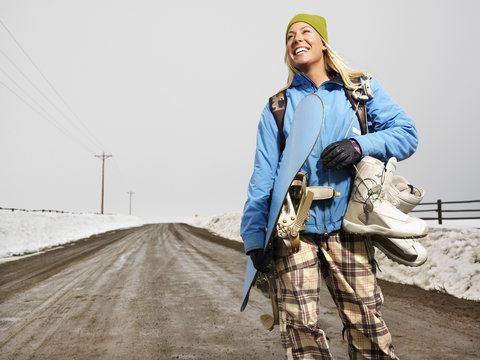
x=374 y=192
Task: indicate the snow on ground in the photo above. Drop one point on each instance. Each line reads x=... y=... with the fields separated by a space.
x=453 y=265
x=226 y=225
x=23 y=232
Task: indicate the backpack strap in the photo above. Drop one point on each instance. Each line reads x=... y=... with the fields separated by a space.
x=278 y=104
x=358 y=98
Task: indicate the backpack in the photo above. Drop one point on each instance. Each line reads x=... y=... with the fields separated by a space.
x=357 y=97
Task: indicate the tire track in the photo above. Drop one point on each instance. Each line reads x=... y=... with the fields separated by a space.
x=50 y=314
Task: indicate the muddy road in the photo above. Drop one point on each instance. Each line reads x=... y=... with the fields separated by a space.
x=170 y=291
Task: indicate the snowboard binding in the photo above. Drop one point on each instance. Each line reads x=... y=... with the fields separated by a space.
x=294 y=213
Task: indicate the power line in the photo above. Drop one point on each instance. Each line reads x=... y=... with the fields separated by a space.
x=40 y=92
x=85 y=133
x=65 y=132
x=92 y=136
x=46 y=114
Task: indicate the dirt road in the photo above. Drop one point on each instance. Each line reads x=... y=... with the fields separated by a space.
x=170 y=291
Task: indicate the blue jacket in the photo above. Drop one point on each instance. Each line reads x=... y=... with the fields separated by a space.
x=391 y=133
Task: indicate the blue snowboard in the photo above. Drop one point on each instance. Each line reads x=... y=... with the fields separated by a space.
x=304 y=133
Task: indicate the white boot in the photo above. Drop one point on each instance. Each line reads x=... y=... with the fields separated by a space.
x=370 y=212
x=404 y=196
x=408 y=252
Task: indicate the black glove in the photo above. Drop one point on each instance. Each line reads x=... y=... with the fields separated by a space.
x=340 y=154
x=260 y=261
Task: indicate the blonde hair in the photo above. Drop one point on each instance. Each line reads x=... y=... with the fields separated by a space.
x=333 y=64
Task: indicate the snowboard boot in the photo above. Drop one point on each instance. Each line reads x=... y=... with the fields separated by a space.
x=403 y=251
x=369 y=210
x=404 y=196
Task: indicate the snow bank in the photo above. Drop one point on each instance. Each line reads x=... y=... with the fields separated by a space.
x=24 y=232
x=226 y=225
x=453 y=265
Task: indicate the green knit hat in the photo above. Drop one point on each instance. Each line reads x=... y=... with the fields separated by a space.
x=316 y=21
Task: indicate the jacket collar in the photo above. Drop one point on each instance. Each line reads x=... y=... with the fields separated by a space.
x=302 y=80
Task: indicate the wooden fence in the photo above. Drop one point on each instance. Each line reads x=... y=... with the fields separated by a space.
x=442 y=210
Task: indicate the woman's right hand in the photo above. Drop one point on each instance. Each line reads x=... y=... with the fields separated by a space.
x=260 y=261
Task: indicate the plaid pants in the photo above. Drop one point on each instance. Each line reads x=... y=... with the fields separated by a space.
x=346 y=263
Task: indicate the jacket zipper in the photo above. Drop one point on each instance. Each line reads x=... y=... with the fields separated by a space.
x=315 y=89
x=325 y=230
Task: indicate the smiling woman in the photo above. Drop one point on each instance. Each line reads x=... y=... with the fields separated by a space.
x=346 y=261
x=307 y=46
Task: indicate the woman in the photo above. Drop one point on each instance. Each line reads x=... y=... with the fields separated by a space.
x=345 y=261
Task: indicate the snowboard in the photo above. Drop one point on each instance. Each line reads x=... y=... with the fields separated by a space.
x=304 y=133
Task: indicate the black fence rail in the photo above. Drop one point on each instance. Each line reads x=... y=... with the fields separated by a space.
x=443 y=209
x=49 y=211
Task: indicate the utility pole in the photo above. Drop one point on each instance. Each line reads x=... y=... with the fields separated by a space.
x=130 y=193
x=103 y=157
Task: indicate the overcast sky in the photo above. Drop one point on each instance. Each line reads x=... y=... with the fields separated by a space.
x=174 y=91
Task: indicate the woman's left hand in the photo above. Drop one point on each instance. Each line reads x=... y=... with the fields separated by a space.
x=341 y=154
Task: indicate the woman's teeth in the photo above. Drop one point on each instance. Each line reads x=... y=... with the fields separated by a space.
x=300 y=50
